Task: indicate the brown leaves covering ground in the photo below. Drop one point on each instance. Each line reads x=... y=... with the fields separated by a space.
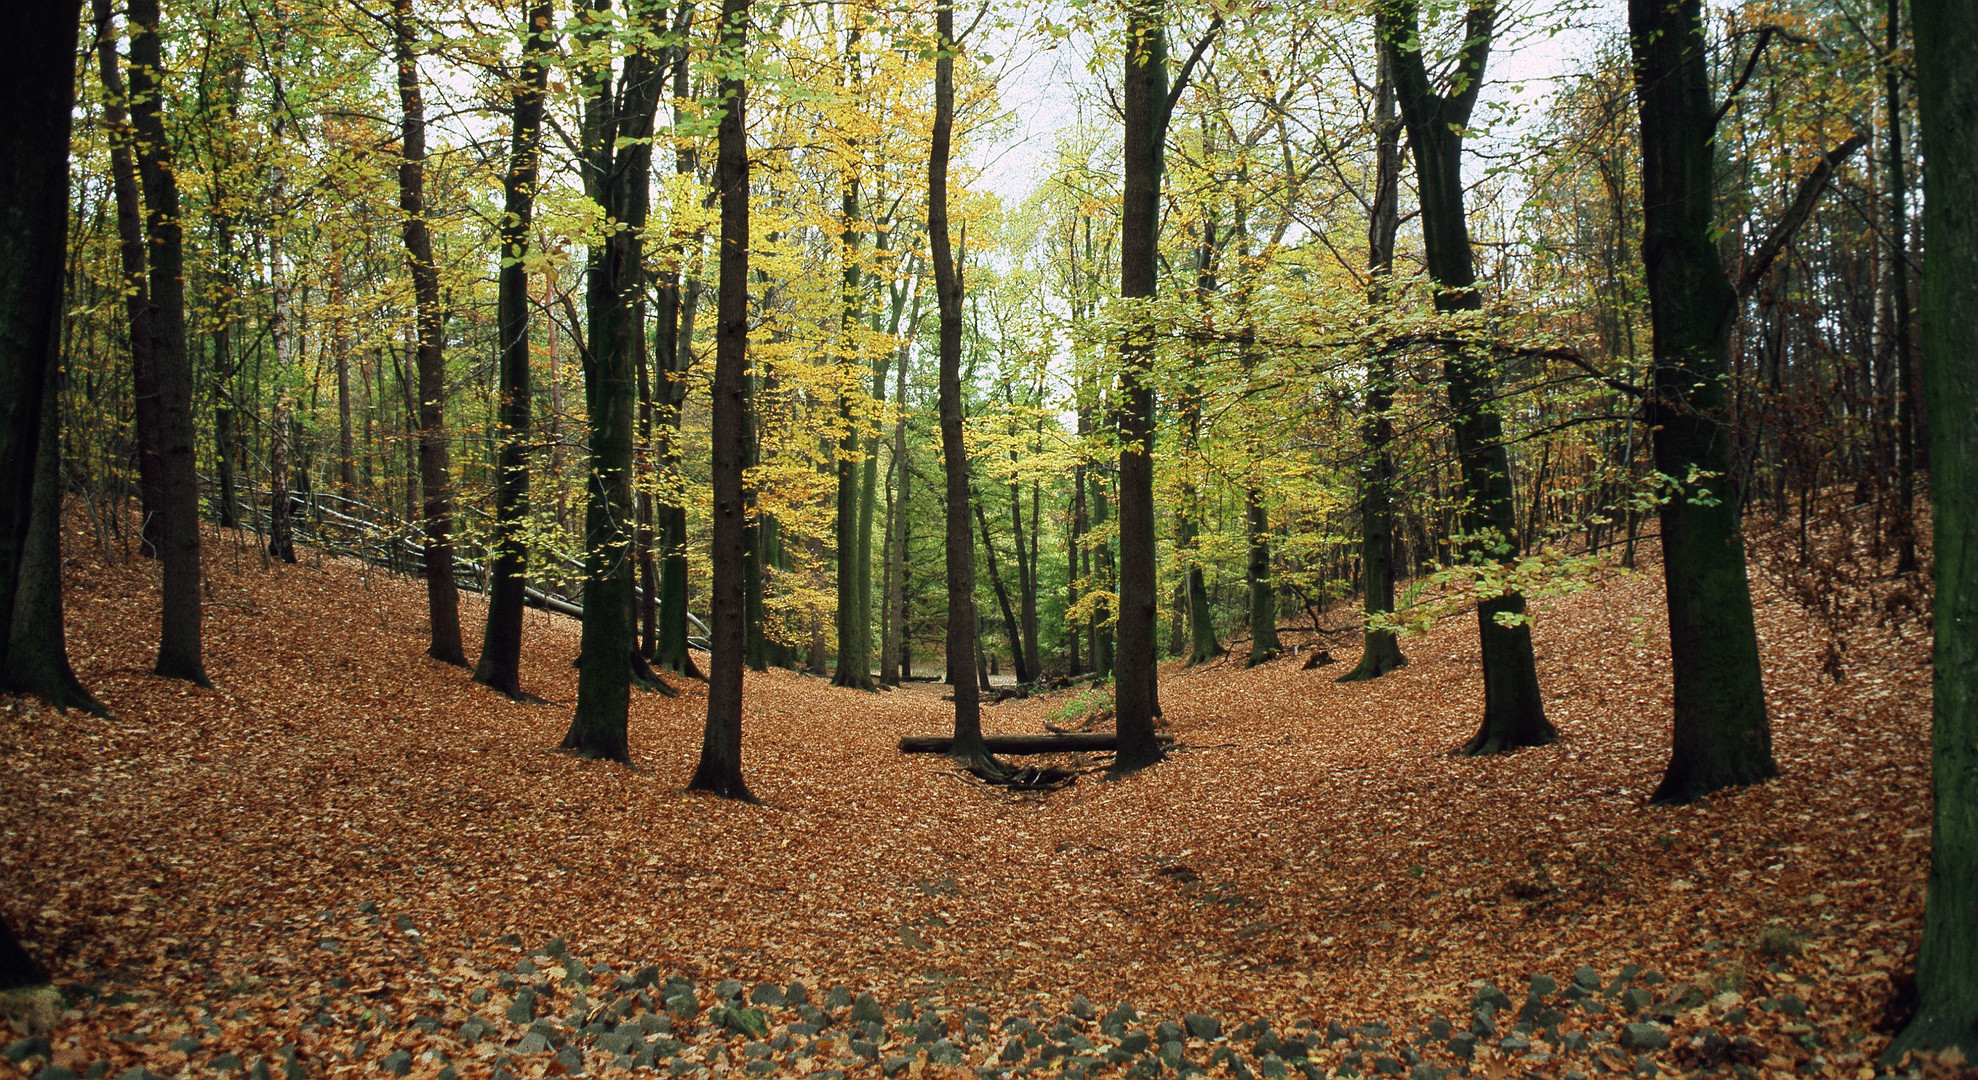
x=1310 y=850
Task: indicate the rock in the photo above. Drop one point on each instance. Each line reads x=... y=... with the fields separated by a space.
x=1167 y=1031
x=1063 y=1029
x=1335 y=1032
x=865 y=1049
x=1586 y=978
x=1484 y=1024
x=1082 y=1008
x=477 y=996
x=1115 y=1022
x=683 y=1006
x=619 y=1043
x=522 y=1009
x=1294 y=1049
x=1012 y=1051
x=1644 y=1037
x=796 y=993
x=1543 y=985
x=226 y=1062
x=1488 y=994
x=1202 y=1026
x=1387 y=1066
x=55 y=1072
x=866 y=1008
x=1267 y=1043
x=139 y=1072
x=927 y=1030
x=895 y=1065
x=1017 y=1025
x=904 y=1010
x=32 y=1046
x=743 y=1021
x=548 y=1030
x=258 y=1072
x=1549 y=1018
x=571 y=1058
x=766 y=994
x=1425 y=1072
x=397 y=1063
x=1136 y=1043
x=656 y=1024
x=1791 y=1005
x=838 y=997
x=814 y=1016
x=1463 y=1045
x=553 y=947
x=1272 y=1067
x=532 y=1043
x=1635 y=999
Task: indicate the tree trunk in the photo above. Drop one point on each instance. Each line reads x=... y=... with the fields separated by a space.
x=442 y=598
x=1722 y=736
x=961 y=637
x=1946 y=34
x=854 y=633
x=618 y=148
x=1514 y=711
x=179 y=648
x=1901 y=347
x=720 y=768
x=1145 y=107
x=1011 y=626
x=137 y=303
x=675 y=348
x=340 y=350
x=1381 y=649
x=37 y=95
x=500 y=665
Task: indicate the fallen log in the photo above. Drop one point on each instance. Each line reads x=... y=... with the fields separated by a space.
x=1097 y=742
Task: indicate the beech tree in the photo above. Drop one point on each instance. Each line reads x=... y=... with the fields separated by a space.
x=179 y=650
x=1946 y=33
x=720 y=768
x=37 y=95
x=501 y=643
x=1514 y=711
x=436 y=507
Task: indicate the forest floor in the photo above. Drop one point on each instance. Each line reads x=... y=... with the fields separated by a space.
x=348 y=860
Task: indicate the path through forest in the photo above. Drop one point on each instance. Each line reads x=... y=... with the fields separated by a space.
x=340 y=839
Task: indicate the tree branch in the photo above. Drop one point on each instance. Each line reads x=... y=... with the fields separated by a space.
x=1188 y=69
x=1804 y=200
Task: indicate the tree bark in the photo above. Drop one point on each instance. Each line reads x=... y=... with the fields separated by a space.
x=1381 y=649
x=618 y=148
x=1514 y=711
x=1946 y=36
x=179 y=648
x=961 y=637
x=37 y=95
x=720 y=768
x=500 y=665
x=137 y=303
x=436 y=509
x=1012 y=628
x=1722 y=736
x=678 y=304
x=854 y=631
x=1144 y=98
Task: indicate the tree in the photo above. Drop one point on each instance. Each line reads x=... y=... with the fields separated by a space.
x=500 y=665
x=1381 y=650
x=617 y=137
x=673 y=341
x=1946 y=35
x=37 y=94
x=1147 y=103
x=720 y=768
x=179 y=649
x=1514 y=712
x=436 y=508
x=962 y=634
x=1722 y=736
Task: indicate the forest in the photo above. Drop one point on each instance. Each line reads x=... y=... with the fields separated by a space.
x=1094 y=538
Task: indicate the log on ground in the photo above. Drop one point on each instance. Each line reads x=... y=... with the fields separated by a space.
x=1098 y=742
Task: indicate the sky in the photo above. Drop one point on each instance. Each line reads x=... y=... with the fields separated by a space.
x=1038 y=85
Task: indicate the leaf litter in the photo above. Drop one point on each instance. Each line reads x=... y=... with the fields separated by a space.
x=349 y=860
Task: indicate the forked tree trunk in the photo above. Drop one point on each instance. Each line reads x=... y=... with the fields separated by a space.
x=720 y=768
x=1946 y=34
x=618 y=145
x=1514 y=711
x=500 y=665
